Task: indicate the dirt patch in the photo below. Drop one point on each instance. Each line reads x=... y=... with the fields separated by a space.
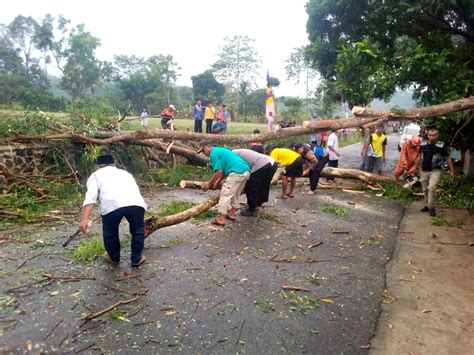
x=430 y=287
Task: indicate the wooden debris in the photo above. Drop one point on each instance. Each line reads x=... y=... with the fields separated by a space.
x=315 y=245
x=295 y=288
x=108 y=309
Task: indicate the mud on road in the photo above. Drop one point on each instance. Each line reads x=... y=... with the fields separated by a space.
x=210 y=289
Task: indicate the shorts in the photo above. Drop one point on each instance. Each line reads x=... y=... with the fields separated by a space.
x=295 y=169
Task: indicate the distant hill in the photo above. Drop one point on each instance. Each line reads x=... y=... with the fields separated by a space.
x=401 y=99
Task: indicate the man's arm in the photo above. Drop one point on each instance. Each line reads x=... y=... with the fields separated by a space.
x=86 y=211
x=216 y=178
x=451 y=167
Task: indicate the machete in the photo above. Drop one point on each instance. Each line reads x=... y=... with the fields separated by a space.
x=71 y=237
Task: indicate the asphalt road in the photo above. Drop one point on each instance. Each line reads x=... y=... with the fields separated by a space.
x=208 y=289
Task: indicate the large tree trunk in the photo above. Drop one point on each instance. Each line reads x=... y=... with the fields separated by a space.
x=154 y=223
x=419 y=112
x=187 y=184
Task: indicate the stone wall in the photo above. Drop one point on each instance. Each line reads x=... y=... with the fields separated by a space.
x=23 y=158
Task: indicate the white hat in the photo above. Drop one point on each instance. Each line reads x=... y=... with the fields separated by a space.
x=172 y=107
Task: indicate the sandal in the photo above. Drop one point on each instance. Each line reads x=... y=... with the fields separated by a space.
x=107 y=259
x=142 y=261
x=290 y=195
x=230 y=218
x=283 y=197
x=217 y=223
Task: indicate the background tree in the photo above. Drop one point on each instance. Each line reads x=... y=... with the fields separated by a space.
x=44 y=39
x=370 y=50
x=238 y=61
x=21 y=32
x=206 y=87
x=82 y=69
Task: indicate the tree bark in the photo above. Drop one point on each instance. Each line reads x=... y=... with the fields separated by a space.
x=187 y=184
x=154 y=223
x=355 y=174
x=419 y=112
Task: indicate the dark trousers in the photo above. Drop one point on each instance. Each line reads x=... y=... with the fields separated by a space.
x=110 y=231
x=315 y=174
x=254 y=184
x=209 y=126
x=264 y=191
x=164 y=122
x=332 y=164
x=198 y=126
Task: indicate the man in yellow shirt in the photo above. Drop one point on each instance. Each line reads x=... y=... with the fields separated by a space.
x=292 y=163
x=209 y=115
x=374 y=149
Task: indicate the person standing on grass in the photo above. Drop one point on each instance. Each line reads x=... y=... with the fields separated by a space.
x=209 y=115
x=166 y=116
x=433 y=154
x=260 y=168
x=144 y=118
x=256 y=145
x=333 y=148
x=119 y=197
x=376 y=156
x=292 y=163
x=198 y=115
x=229 y=166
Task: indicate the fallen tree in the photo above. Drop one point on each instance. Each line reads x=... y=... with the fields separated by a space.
x=154 y=223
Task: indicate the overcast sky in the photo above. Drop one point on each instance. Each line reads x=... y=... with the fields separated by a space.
x=191 y=31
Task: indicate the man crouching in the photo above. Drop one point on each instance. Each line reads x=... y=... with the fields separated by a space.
x=229 y=166
x=119 y=197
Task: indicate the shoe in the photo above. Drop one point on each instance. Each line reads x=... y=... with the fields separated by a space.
x=142 y=261
x=107 y=259
x=425 y=209
x=311 y=192
x=432 y=212
x=248 y=213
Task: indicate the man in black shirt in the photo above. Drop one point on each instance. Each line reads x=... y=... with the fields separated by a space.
x=433 y=155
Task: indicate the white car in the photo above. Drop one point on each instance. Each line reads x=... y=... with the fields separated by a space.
x=408 y=132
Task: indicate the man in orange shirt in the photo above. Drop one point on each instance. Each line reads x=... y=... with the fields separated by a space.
x=408 y=160
x=166 y=116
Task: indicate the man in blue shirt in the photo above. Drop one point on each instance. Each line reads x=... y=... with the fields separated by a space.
x=229 y=166
x=198 y=115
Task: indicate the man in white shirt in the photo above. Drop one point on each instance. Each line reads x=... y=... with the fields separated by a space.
x=333 y=148
x=144 y=118
x=119 y=197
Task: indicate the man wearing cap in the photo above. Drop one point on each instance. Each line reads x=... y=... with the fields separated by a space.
x=166 y=116
x=119 y=197
x=229 y=166
x=262 y=168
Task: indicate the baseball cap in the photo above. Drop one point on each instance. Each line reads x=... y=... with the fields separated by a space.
x=202 y=143
x=172 y=107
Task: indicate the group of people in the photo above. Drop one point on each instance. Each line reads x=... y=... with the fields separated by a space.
x=209 y=115
x=252 y=170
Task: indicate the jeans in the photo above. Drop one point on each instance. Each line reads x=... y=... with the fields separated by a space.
x=198 y=126
x=110 y=231
x=209 y=125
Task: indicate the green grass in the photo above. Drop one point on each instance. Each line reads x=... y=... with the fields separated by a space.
x=351 y=140
x=441 y=222
x=172 y=176
x=335 y=210
x=93 y=248
x=175 y=242
x=25 y=201
x=205 y=215
x=314 y=279
x=173 y=206
x=267 y=216
x=457 y=193
x=397 y=192
x=265 y=304
x=301 y=304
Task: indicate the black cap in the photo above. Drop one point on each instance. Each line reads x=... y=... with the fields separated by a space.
x=106 y=159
